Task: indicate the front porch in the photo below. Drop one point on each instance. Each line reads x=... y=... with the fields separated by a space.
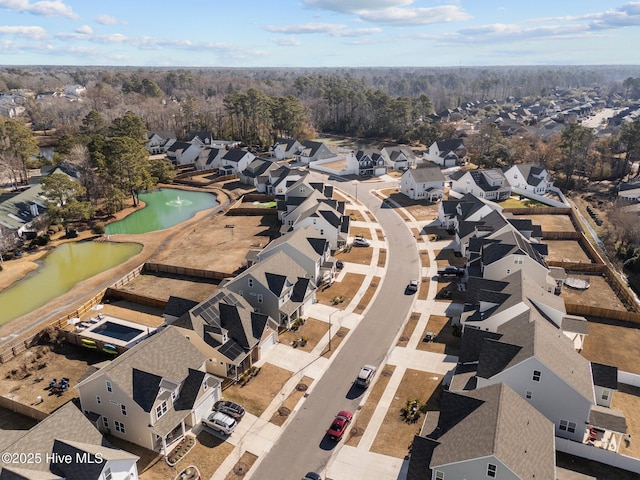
x=606 y=429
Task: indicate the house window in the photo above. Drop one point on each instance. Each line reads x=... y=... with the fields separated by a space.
x=250 y=282
x=517 y=260
x=98 y=399
x=439 y=475
x=528 y=395
x=105 y=422
x=123 y=409
x=567 y=426
x=161 y=409
x=107 y=473
x=109 y=387
x=260 y=298
x=536 y=375
x=491 y=470
x=119 y=426
x=605 y=394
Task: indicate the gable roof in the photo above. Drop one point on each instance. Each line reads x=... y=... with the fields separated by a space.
x=275 y=272
x=493 y=421
x=139 y=371
x=446 y=146
x=235 y=155
x=425 y=174
x=306 y=240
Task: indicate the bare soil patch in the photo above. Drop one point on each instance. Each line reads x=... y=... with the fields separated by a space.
x=424 y=258
x=256 y=395
x=354 y=215
x=165 y=285
x=361 y=255
x=423 y=211
x=551 y=223
x=599 y=293
x=336 y=340
x=313 y=330
x=382 y=257
x=416 y=234
x=380 y=234
x=409 y=327
x=445 y=341
x=423 y=288
x=396 y=435
x=566 y=251
x=613 y=342
x=447 y=256
x=344 y=290
x=368 y=294
x=27 y=376
x=291 y=401
x=364 y=415
x=360 y=232
x=627 y=400
x=242 y=466
x=134 y=312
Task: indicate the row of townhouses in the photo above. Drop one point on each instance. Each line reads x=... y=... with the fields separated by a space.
x=520 y=386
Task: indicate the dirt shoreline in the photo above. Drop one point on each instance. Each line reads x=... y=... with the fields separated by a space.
x=152 y=243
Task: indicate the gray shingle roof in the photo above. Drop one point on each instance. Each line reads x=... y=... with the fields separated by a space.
x=608 y=419
x=426 y=174
x=605 y=375
x=494 y=421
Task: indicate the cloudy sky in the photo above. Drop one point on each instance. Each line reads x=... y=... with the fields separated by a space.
x=319 y=33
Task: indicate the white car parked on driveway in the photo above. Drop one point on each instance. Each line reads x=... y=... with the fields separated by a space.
x=221 y=422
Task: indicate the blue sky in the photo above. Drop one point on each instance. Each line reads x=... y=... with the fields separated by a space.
x=319 y=33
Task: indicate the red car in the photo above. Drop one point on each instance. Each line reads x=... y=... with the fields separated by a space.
x=339 y=425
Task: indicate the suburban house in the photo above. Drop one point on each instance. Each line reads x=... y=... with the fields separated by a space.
x=278 y=181
x=423 y=183
x=256 y=171
x=235 y=161
x=210 y=158
x=285 y=148
x=65 y=432
x=295 y=192
x=528 y=177
x=153 y=393
x=312 y=151
x=310 y=250
x=488 y=184
x=469 y=208
x=205 y=139
x=366 y=164
x=229 y=333
x=277 y=287
x=159 y=142
x=183 y=153
x=490 y=432
x=397 y=157
x=446 y=153
x=540 y=364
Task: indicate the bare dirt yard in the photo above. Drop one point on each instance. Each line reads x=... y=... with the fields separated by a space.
x=360 y=232
x=627 y=400
x=396 y=434
x=613 y=342
x=551 y=223
x=566 y=251
x=313 y=330
x=256 y=395
x=360 y=255
x=599 y=293
x=368 y=295
x=443 y=339
x=26 y=377
x=279 y=417
x=162 y=286
x=354 y=215
x=341 y=292
x=447 y=256
x=409 y=327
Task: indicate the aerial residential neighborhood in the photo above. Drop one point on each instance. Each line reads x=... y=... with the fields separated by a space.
x=215 y=280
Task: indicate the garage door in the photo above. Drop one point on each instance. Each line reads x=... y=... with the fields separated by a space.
x=267 y=344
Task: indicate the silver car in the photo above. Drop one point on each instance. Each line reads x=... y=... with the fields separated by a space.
x=220 y=422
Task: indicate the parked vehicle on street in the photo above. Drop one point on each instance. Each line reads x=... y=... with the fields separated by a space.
x=220 y=422
x=365 y=376
x=339 y=264
x=230 y=408
x=339 y=425
x=361 y=242
x=312 y=476
x=451 y=271
x=413 y=286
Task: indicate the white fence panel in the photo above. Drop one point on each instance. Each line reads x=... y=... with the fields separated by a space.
x=629 y=378
x=597 y=454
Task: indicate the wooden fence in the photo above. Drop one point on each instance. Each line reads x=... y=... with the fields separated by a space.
x=258 y=197
x=252 y=211
x=136 y=298
x=592 y=311
x=188 y=272
x=23 y=409
x=561 y=235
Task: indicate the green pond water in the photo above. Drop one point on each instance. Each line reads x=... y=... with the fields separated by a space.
x=164 y=208
x=59 y=271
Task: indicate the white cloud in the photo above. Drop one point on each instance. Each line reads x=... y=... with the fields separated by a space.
x=47 y=8
x=104 y=19
x=287 y=41
x=84 y=30
x=34 y=33
x=333 y=29
x=359 y=32
x=352 y=6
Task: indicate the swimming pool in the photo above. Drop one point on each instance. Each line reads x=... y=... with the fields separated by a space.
x=117 y=331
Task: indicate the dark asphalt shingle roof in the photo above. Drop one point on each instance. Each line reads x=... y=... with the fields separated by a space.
x=604 y=375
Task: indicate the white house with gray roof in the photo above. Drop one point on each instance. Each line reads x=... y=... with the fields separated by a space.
x=528 y=178
x=235 y=160
x=446 y=153
x=284 y=148
x=490 y=184
x=312 y=151
x=423 y=183
x=278 y=287
x=65 y=434
x=490 y=432
x=397 y=157
x=153 y=393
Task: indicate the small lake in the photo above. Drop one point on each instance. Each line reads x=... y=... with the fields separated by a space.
x=59 y=271
x=164 y=208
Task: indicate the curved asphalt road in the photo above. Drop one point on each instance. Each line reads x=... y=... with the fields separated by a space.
x=302 y=447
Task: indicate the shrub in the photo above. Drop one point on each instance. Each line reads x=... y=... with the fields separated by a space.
x=99 y=229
